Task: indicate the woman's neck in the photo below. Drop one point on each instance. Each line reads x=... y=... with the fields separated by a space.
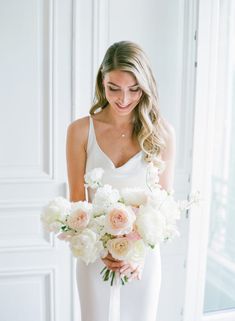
x=117 y=120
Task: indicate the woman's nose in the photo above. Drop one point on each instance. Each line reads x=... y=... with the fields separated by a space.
x=124 y=98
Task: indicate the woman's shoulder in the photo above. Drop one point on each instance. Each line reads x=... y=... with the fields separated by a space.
x=78 y=129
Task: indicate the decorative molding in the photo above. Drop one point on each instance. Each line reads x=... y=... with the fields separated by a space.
x=101 y=25
x=49 y=277
x=32 y=238
x=43 y=168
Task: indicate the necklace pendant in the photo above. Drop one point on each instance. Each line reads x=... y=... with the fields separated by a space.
x=123 y=135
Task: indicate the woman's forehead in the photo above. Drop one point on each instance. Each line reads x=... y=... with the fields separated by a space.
x=120 y=77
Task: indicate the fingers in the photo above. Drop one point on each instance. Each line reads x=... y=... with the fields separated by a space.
x=113 y=265
x=132 y=272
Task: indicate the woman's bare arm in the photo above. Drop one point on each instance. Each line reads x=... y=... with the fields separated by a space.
x=166 y=179
x=77 y=133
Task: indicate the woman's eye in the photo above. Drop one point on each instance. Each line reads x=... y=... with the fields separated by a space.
x=113 y=89
x=117 y=89
x=135 y=90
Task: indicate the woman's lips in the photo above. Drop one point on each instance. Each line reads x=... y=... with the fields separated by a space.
x=123 y=107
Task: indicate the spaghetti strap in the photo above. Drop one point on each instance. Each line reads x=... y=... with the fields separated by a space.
x=90 y=134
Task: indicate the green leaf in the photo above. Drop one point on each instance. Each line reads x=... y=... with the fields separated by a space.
x=113 y=275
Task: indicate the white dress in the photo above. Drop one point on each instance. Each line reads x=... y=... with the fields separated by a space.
x=139 y=298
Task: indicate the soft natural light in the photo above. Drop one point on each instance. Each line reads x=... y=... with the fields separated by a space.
x=220 y=276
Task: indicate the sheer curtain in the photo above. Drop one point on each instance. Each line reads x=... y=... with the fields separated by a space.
x=220 y=272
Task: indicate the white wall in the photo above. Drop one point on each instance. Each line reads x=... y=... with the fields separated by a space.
x=35 y=108
x=49 y=57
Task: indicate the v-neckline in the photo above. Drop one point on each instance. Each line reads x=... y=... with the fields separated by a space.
x=106 y=156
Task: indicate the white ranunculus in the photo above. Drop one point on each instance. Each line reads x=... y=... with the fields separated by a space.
x=152 y=176
x=104 y=198
x=96 y=224
x=80 y=215
x=150 y=225
x=54 y=213
x=119 y=219
x=86 y=246
x=159 y=163
x=134 y=196
x=94 y=177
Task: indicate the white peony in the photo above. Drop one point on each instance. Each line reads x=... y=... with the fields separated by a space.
x=150 y=225
x=134 y=196
x=104 y=198
x=138 y=252
x=170 y=209
x=119 y=219
x=54 y=213
x=171 y=231
x=86 y=246
x=94 y=177
x=157 y=197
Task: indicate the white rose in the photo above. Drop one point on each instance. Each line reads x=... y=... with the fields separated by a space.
x=94 y=177
x=86 y=245
x=119 y=220
x=54 y=213
x=105 y=197
x=134 y=196
x=150 y=225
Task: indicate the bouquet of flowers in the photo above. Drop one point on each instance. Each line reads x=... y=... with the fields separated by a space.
x=123 y=223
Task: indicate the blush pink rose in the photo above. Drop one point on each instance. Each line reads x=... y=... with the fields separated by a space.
x=78 y=219
x=119 y=220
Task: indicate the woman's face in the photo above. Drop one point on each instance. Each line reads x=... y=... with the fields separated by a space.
x=122 y=91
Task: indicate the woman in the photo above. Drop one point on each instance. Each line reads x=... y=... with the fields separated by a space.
x=123 y=133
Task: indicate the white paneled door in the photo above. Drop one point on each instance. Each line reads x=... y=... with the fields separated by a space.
x=36 y=271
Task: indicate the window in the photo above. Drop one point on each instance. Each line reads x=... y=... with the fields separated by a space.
x=220 y=273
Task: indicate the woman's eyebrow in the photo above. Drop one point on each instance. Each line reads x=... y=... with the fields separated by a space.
x=112 y=83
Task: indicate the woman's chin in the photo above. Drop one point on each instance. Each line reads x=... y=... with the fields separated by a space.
x=123 y=109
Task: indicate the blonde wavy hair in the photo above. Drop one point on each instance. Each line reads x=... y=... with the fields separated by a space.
x=148 y=125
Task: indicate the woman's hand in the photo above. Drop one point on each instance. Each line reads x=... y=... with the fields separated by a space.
x=132 y=271
x=113 y=264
